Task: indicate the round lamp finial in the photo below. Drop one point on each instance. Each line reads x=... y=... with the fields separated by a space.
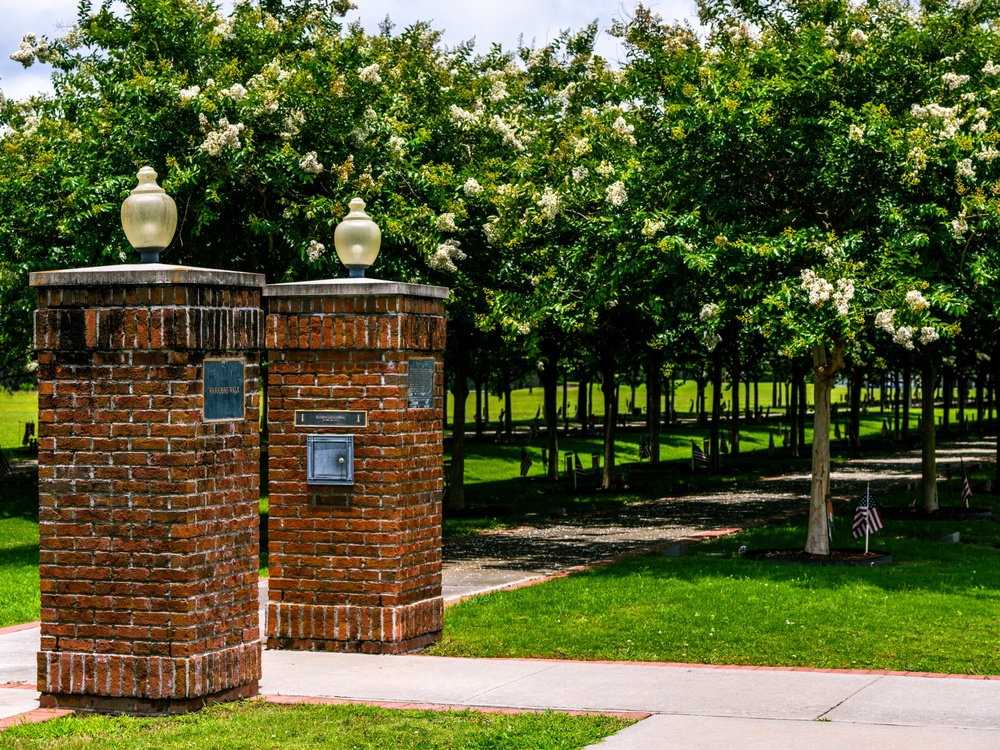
x=357 y=239
x=149 y=217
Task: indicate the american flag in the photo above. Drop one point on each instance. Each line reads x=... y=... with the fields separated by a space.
x=966 y=487
x=697 y=454
x=644 y=451
x=723 y=445
x=5 y=469
x=578 y=466
x=525 y=461
x=770 y=443
x=866 y=516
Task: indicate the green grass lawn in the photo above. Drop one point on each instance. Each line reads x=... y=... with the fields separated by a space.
x=19 y=581
x=310 y=727
x=935 y=609
x=16 y=408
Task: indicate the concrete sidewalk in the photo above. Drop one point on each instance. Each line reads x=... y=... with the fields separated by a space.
x=690 y=706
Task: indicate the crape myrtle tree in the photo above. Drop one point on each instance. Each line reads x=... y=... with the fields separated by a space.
x=559 y=226
x=261 y=124
x=790 y=116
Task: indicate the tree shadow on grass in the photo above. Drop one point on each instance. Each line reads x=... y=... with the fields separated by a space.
x=19 y=496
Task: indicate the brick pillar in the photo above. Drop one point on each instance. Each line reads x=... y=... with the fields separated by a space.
x=148 y=512
x=355 y=567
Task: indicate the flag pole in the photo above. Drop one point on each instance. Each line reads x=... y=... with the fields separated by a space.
x=868 y=516
x=574 y=478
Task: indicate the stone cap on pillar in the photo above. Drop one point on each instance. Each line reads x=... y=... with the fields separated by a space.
x=357 y=287
x=145 y=274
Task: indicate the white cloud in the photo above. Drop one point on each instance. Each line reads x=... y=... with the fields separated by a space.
x=488 y=21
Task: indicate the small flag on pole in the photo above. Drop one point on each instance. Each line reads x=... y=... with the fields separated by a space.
x=525 y=461
x=770 y=443
x=538 y=413
x=578 y=467
x=829 y=517
x=644 y=451
x=5 y=469
x=867 y=518
x=966 y=487
x=836 y=430
x=723 y=445
x=697 y=454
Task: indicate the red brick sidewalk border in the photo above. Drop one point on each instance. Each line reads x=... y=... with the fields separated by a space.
x=754 y=667
x=19 y=628
x=33 y=717
x=291 y=700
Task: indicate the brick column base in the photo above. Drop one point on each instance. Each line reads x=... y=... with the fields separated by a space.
x=356 y=628
x=148 y=684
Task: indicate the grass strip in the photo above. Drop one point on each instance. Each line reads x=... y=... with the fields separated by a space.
x=255 y=724
x=934 y=610
x=19 y=580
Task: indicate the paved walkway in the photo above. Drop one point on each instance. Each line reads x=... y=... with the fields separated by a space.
x=688 y=706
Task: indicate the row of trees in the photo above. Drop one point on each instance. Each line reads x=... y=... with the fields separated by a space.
x=808 y=187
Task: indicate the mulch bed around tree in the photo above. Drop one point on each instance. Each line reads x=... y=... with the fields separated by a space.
x=853 y=557
x=944 y=513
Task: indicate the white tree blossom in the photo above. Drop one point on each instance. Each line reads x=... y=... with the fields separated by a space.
x=819 y=288
x=370 y=74
x=615 y=194
x=917 y=301
x=315 y=250
x=226 y=136
x=884 y=321
x=443 y=259
x=928 y=335
x=310 y=164
x=445 y=223
x=708 y=311
x=471 y=187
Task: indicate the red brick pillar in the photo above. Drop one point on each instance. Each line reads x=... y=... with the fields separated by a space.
x=355 y=566
x=148 y=509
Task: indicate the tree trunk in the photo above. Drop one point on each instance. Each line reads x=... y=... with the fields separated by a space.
x=508 y=417
x=928 y=430
x=460 y=393
x=895 y=405
x=479 y=410
x=857 y=389
x=610 y=391
x=671 y=410
x=803 y=409
x=654 y=384
x=582 y=407
x=734 y=442
x=565 y=405
x=793 y=414
x=825 y=369
x=949 y=387
x=907 y=396
x=700 y=399
x=550 y=385
x=716 y=412
x=980 y=395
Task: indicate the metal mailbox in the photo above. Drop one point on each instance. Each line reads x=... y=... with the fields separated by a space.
x=330 y=459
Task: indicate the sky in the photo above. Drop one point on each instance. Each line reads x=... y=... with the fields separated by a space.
x=488 y=21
